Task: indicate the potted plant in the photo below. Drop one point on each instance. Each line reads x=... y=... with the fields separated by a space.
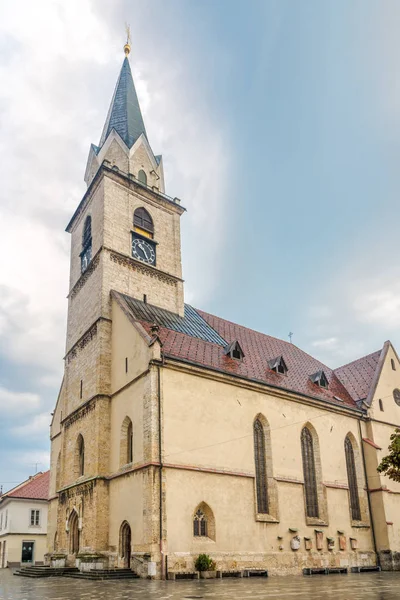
x=206 y=566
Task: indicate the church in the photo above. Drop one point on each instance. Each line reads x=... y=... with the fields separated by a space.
x=178 y=433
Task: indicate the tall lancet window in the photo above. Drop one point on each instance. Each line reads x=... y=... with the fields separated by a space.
x=261 y=467
x=310 y=479
x=86 y=254
x=352 y=479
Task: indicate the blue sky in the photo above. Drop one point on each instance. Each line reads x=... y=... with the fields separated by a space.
x=279 y=123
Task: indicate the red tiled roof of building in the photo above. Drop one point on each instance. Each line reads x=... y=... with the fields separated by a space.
x=258 y=349
x=35 y=488
x=358 y=375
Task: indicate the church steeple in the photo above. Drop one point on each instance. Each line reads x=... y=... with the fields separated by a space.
x=124 y=114
x=124 y=143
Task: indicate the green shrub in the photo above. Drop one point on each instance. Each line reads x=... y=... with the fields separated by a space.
x=204 y=563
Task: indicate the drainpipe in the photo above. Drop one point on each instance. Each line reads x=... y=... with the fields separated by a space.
x=160 y=470
x=368 y=497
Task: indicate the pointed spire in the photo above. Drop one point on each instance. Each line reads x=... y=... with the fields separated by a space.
x=124 y=114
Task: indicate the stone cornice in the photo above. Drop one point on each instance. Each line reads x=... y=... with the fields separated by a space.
x=85 y=338
x=136 y=265
x=82 y=410
x=127 y=181
x=85 y=276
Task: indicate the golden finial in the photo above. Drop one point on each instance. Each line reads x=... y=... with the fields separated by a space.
x=127 y=47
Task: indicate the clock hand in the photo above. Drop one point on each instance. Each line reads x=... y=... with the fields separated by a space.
x=144 y=251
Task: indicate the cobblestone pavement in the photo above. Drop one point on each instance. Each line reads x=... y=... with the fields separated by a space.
x=367 y=586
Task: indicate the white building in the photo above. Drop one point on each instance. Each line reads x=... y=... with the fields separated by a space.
x=23 y=522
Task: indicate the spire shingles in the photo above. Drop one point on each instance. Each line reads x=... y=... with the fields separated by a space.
x=124 y=114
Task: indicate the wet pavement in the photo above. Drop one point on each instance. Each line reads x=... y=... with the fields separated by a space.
x=366 y=586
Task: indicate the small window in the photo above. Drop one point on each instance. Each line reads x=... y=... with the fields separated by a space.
x=234 y=350
x=278 y=365
x=200 y=524
x=130 y=443
x=142 y=177
x=35 y=518
x=81 y=390
x=6 y=520
x=319 y=378
x=143 y=223
x=126 y=364
x=381 y=405
x=393 y=364
x=81 y=456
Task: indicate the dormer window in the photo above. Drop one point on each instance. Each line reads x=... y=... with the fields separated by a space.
x=86 y=254
x=234 y=350
x=319 y=378
x=278 y=365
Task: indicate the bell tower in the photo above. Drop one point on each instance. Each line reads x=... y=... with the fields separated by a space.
x=125 y=237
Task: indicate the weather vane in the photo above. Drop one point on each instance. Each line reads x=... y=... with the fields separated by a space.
x=127 y=47
x=290 y=336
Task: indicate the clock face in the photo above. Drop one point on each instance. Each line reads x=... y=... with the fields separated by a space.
x=396 y=396
x=86 y=257
x=143 y=251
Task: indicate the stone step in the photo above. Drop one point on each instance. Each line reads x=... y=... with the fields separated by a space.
x=93 y=576
x=41 y=571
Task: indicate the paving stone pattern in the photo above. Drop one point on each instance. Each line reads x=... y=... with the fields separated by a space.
x=371 y=586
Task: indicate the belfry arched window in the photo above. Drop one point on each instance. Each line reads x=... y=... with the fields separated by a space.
x=86 y=254
x=142 y=177
x=143 y=223
x=310 y=479
x=352 y=479
x=260 y=467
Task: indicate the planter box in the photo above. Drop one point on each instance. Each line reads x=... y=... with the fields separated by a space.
x=208 y=574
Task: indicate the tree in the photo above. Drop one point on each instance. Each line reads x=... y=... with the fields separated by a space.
x=390 y=464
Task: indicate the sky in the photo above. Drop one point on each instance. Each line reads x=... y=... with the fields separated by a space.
x=279 y=125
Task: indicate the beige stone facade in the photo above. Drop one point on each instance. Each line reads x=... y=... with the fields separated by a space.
x=165 y=436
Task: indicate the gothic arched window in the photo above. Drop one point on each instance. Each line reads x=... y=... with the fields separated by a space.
x=310 y=479
x=86 y=254
x=126 y=444
x=142 y=177
x=143 y=223
x=200 y=524
x=261 y=467
x=352 y=479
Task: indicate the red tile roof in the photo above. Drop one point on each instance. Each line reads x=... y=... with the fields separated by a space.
x=258 y=349
x=358 y=375
x=35 y=488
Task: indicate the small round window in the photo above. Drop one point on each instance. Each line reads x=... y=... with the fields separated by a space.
x=396 y=396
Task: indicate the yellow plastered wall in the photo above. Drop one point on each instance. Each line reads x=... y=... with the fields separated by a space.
x=209 y=424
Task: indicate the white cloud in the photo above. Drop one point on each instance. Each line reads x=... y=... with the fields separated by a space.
x=380 y=306
x=326 y=343
x=38 y=427
x=17 y=403
x=59 y=62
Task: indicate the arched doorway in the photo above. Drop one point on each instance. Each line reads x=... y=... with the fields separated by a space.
x=125 y=544
x=74 y=533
